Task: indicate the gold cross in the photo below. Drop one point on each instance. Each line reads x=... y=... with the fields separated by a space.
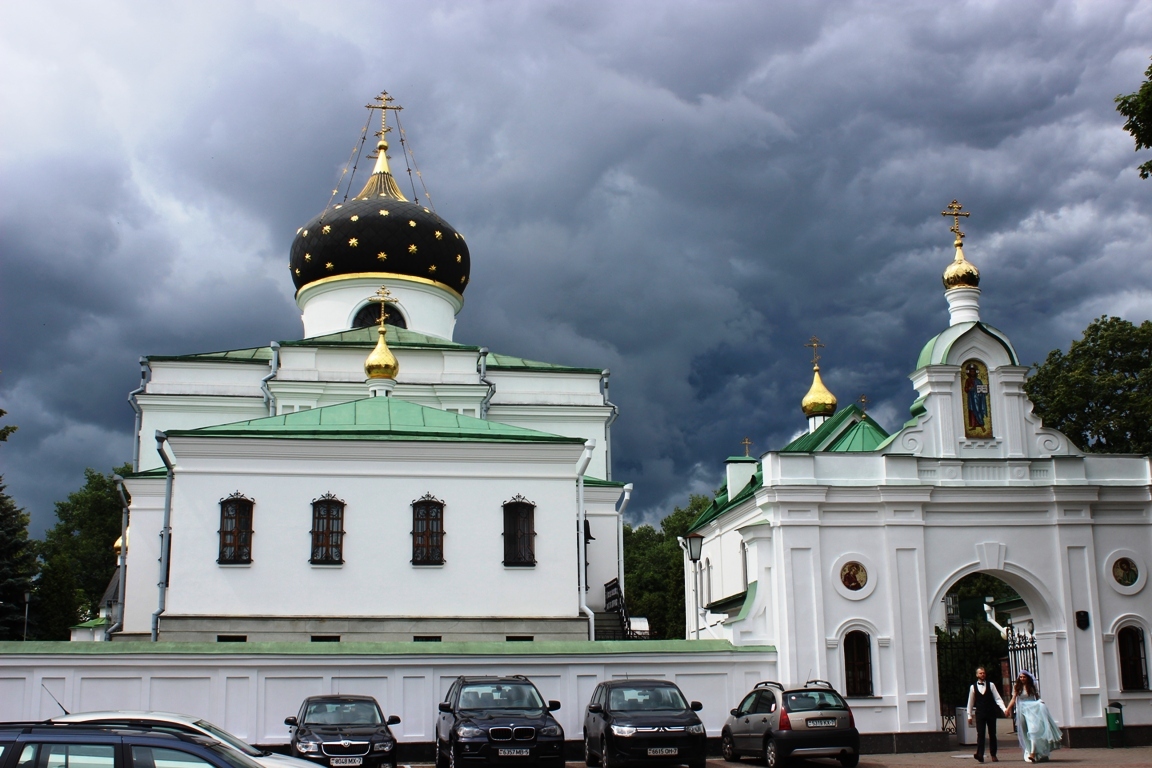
x=746 y=443
x=954 y=209
x=815 y=345
x=863 y=403
x=384 y=103
x=382 y=296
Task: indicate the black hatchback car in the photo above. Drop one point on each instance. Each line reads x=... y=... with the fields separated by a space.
x=497 y=721
x=40 y=745
x=643 y=721
x=343 y=731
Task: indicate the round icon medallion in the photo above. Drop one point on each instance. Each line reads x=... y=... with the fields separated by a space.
x=1125 y=571
x=854 y=575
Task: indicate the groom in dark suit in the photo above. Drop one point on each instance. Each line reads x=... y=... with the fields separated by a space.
x=984 y=706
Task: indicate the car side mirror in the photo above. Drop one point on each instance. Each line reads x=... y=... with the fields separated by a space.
x=696 y=706
x=736 y=713
x=596 y=708
x=290 y=721
x=393 y=720
x=445 y=706
x=553 y=705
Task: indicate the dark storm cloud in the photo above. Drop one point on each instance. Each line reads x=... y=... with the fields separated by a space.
x=681 y=192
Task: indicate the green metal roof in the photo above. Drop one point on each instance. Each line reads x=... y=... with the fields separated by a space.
x=377 y=418
x=538 y=648
x=595 y=482
x=746 y=608
x=158 y=472
x=864 y=435
x=841 y=433
x=366 y=338
x=935 y=352
x=722 y=504
x=508 y=363
x=257 y=355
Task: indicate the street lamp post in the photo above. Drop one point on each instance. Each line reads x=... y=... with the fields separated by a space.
x=695 y=544
x=27 y=600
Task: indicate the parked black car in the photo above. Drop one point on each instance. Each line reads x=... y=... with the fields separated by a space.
x=343 y=731
x=642 y=720
x=775 y=723
x=497 y=721
x=88 y=746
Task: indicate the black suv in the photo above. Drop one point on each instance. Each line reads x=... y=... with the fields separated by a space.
x=29 y=745
x=775 y=723
x=497 y=720
x=343 y=730
x=642 y=721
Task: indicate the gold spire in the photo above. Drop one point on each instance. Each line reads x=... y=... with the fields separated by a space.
x=381 y=183
x=819 y=401
x=381 y=364
x=961 y=273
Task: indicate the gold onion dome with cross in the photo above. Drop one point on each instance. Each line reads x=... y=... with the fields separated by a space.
x=380 y=233
x=961 y=273
x=819 y=401
x=381 y=363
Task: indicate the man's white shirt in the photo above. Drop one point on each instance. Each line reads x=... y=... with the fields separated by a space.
x=978 y=689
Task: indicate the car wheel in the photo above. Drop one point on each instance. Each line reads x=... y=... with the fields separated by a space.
x=589 y=757
x=772 y=755
x=451 y=754
x=441 y=758
x=606 y=760
x=728 y=748
x=849 y=760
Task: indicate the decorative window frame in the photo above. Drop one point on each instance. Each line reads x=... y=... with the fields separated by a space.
x=239 y=560
x=428 y=498
x=1134 y=622
x=875 y=641
x=520 y=501
x=339 y=545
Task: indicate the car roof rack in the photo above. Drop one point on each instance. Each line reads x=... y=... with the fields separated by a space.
x=819 y=684
x=768 y=684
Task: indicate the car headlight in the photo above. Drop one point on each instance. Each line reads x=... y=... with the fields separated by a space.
x=308 y=745
x=623 y=730
x=696 y=728
x=382 y=746
x=469 y=732
x=551 y=730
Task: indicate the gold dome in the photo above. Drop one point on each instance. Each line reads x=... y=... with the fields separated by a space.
x=819 y=401
x=961 y=273
x=381 y=364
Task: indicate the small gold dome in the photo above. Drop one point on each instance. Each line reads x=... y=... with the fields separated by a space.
x=961 y=273
x=819 y=401
x=381 y=364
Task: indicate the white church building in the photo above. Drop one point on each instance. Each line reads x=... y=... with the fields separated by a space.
x=839 y=548
x=376 y=480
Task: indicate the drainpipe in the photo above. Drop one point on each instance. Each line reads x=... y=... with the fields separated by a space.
x=482 y=369
x=604 y=374
x=123 y=556
x=269 y=398
x=620 y=539
x=581 y=544
x=165 y=535
x=145 y=377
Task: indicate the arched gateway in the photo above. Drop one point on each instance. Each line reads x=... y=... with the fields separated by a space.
x=839 y=548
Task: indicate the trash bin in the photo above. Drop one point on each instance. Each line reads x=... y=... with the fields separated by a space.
x=1114 y=723
x=965 y=733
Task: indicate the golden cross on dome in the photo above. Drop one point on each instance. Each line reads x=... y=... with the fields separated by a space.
x=815 y=345
x=381 y=297
x=953 y=210
x=746 y=443
x=383 y=103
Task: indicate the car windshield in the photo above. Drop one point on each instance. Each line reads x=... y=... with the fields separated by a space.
x=806 y=701
x=228 y=738
x=232 y=757
x=342 y=713
x=500 y=696
x=646 y=698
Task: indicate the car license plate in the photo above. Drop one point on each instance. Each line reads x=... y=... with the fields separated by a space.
x=827 y=722
x=334 y=761
x=513 y=752
x=661 y=751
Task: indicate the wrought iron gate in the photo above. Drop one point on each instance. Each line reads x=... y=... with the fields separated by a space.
x=956 y=656
x=1022 y=654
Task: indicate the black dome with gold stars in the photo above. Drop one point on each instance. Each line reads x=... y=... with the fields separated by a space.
x=380 y=233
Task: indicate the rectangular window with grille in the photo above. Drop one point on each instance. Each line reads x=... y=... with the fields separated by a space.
x=427 y=531
x=519 y=533
x=235 y=531
x=327 y=531
x=857 y=664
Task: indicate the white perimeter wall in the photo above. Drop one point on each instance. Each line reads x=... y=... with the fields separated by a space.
x=251 y=694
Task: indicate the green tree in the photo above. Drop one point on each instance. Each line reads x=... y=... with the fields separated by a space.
x=17 y=558
x=654 y=570
x=1099 y=394
x=77 y=556
x=1137 y=108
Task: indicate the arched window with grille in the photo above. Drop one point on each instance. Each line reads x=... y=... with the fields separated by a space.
x=519 y=532
x=235 y=530
x=428 y=531
x=327 y=531
x=1133 y=659
x=857 y=664
x=369 y=315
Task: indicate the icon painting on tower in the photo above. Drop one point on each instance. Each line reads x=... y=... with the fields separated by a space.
x=977 y=405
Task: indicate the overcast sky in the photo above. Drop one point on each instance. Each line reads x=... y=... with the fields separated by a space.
x=682 y=192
